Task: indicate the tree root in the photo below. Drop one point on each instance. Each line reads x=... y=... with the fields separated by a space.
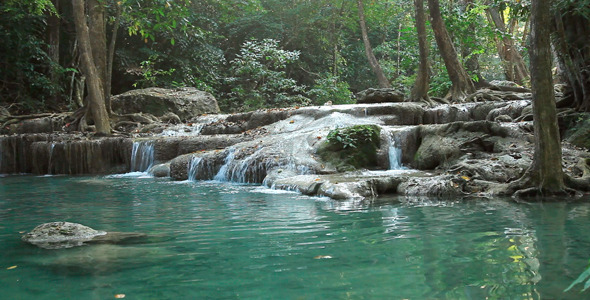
x=9 y=120
x=491 y=94
x=525 y=189
x=430 y=101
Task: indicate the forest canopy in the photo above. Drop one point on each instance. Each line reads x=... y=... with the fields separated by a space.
x=254 y=54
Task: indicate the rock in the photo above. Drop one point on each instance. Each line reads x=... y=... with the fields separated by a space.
x=161 y=170
x=183 y=102
x=58 y=235
x=578 y=132
x=436 y=150
x=503 y=118
x=38 y=125
x=170 y=118
x=98 y=259
x=379 y=96
x=504 y=83
x=352 y=147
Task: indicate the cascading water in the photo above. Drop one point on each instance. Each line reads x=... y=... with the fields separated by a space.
x=1 y=154
x=193 y=168
x=142 y=156
x=50 y=158
x=395 y=155
x=222 y=175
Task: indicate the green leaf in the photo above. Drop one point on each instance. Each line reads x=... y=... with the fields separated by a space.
x=580 y=279
x=172 y=41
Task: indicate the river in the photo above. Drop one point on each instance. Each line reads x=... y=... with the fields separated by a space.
x=214 y=240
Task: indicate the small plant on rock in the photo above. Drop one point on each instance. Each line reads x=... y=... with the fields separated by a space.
x=352 y=147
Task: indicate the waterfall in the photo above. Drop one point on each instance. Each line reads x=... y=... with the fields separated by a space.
x=193 y=168
x=50 y=157
x=142 y=156
x=1 y=154
x=223 y=173
x=395 y=155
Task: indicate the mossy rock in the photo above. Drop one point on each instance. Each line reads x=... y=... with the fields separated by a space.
x=578 y=132
x=352 y=148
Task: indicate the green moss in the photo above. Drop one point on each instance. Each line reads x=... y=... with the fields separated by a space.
x=352 y=147
x=578 y=132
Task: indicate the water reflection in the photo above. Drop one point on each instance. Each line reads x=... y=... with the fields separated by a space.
x=229 y=241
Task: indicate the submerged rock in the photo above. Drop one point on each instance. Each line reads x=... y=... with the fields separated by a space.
x=59 y=235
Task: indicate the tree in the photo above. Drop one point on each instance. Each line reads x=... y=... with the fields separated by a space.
x=462 y=85
x=420 y=89
x=96 y=100
x=545 y=176
x=571 y=38
x=470 y=48
x=381 y=78
x=514 y=66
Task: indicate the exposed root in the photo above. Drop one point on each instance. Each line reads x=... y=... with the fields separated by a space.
x=514 y=89
x=490 y=94
x=9 y=120
x=430 y=101
x=525 y=189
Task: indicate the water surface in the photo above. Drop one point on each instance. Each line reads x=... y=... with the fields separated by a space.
x=211 y=240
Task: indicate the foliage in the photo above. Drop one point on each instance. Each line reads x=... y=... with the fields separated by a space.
x=440 y=83
x=231 y=48
x=25 y=82
x=584 y=276
x=354 y=136
x=258 y=78
x=352 y=147
x=330 y=88
x=152 y=76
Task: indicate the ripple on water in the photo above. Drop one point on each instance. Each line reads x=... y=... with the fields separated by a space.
x=219 y=240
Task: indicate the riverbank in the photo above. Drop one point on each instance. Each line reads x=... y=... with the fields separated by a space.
x=470 y=149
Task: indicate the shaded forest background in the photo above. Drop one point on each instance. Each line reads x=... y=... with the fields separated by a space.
x=254 y=54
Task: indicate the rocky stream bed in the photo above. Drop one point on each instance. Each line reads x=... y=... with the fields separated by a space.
x=468 y=149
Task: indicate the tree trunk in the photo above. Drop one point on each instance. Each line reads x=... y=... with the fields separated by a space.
x=383 y=82
x=421 y=86
x=546 y=171
x=336 y=29
x=98 y=43
x=53 y=34
x=472 y=61
x=95 y=90
x=572 y=45
x=462 y=84
x=514 y=65
x=111 y=56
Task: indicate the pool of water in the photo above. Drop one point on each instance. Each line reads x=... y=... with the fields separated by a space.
x=211 y=240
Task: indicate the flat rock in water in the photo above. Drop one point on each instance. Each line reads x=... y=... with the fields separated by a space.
x=58 y=235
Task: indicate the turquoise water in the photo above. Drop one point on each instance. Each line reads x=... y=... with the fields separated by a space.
x=221 y=241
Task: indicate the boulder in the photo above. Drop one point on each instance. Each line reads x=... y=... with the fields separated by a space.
x=59 y=235
x=38 y=125
x=379 y=96
x=183 y=102
x=161 y=170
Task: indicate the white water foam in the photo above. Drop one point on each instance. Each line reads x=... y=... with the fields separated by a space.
x=142 y=156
